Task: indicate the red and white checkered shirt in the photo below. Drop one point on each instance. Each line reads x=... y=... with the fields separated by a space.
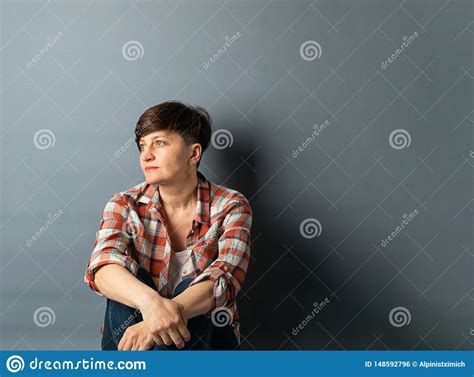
x=132 y=234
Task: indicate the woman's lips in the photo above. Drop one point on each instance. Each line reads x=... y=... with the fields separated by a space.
x=150 y=168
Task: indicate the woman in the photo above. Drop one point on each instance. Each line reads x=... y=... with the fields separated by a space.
x=171 y=253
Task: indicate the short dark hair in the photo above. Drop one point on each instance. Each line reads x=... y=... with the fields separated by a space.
x=193 y=123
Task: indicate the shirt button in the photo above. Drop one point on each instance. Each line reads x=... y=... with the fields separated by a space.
x=184 y=272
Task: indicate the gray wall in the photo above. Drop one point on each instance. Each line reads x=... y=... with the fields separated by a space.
x=389 y=155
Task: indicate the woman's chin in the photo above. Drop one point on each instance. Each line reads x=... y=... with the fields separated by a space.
x=151 y=179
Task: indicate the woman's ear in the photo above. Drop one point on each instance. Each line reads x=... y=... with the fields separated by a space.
x=196 y=155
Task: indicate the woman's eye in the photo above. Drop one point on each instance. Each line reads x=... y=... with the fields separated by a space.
x=157 y=143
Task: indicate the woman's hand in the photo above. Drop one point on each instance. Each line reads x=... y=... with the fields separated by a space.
x=165 y=321
x=136 y=338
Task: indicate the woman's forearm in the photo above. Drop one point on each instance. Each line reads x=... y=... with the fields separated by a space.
x=196 y=299
x=117 y=283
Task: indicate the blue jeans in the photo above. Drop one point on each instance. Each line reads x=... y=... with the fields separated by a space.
x=204 y=334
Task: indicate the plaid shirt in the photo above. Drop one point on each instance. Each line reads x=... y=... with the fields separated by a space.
x=131 y=235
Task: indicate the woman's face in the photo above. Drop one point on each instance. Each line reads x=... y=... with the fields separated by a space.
x=164 y=157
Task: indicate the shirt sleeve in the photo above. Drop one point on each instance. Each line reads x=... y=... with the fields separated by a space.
x=229 y=269
x=112 y=241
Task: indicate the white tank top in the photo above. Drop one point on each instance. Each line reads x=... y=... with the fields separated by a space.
x=180 y=265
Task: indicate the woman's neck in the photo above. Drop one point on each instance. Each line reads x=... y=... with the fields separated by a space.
x=180 y=196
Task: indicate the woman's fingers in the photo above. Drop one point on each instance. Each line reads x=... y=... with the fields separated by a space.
x=145 y=347
x=176 y=337
x=121 y=343
x=135 y=346
x=158 y=340
x=166 y=339
x=124 y=344
x=184 y=332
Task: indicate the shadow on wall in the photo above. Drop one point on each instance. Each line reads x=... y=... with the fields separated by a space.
x=296 y=294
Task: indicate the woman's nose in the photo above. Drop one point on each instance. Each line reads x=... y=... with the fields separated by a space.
x=146 y=155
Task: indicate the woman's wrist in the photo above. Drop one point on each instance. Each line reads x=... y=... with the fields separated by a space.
x=182 y=306
x=146 y=297
x=196 y=300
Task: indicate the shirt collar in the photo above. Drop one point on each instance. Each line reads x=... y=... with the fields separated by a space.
x=151 y=197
